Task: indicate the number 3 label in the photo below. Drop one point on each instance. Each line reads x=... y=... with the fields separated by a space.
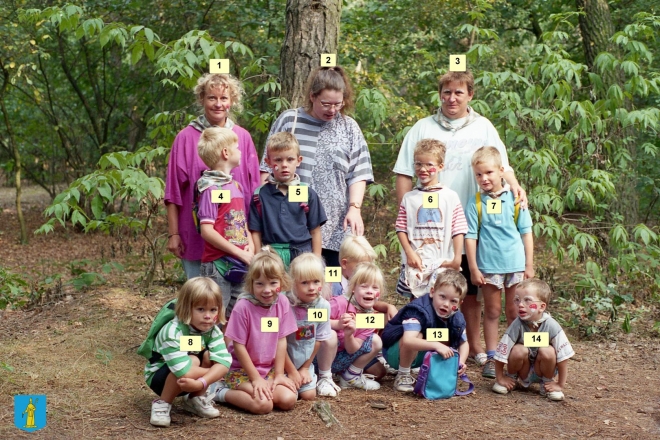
x=430 y=200
x=494 y=206
x=457 y=63
x=328 y=60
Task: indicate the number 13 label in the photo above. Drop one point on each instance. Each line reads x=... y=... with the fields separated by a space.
x=437 y=335
x=494 y=206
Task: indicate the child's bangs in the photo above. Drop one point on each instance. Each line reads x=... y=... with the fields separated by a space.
x=307 y=267
x=367 y=273
x=210 y=297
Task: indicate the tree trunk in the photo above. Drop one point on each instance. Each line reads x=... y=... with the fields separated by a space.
x=312 y=28
x=17 y=157
x=597 y=28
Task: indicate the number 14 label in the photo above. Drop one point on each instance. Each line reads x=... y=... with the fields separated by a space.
x=536 y=339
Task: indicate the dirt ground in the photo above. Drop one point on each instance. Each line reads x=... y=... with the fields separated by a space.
x=78 y=348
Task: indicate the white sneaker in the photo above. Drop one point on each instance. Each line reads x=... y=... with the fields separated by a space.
x=327 y=387
x=387 y=366
x=201 y=406
x=552 y=395
x=362 y=382
x=500 y=389
x=404 y=383
x=160 y=413
x=414 y=370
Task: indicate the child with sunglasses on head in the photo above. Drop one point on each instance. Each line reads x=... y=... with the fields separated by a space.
x=526 y=365
x=431 y=237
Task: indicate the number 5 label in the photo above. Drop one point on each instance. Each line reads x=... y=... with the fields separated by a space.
x=328 y=60
x=437 y=335
x=298 y=194
x=219 y=65
x=430 y=200
x=536 y=339
x=190 y=343
x=494 y=206
x=270 y=325
x=370 y=320
x=457 y=63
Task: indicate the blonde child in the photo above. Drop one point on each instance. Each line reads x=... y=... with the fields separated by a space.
x=498 y=245
x=307 y=273
x=358 y=348
x=431 y=237
x=223 y=226
x=533 y=364
x=256 y=380
x=173 y=372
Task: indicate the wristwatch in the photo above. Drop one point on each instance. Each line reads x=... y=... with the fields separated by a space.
x=355 y=205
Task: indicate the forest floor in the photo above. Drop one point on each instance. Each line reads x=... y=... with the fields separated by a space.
x=78 y=348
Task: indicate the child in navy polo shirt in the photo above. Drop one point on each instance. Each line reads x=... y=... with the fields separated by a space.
x=291 y=228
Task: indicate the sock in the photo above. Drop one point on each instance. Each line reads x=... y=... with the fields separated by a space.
x=221 y=394
x=325 y=373
x=404 y=370
x=351 y=372
x=490 y=354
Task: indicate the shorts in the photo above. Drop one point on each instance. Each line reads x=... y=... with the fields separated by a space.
x=236 y=377
x=532 y=377
x=391 y=355
x=504 y=280
x=465 y=270
x=230 y=291
x=159 y=378
x=343 y=360
x=312 y=384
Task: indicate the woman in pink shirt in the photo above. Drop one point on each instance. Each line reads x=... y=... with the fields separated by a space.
x=216 y=94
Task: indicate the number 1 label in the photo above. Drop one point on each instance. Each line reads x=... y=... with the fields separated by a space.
x=219 y=65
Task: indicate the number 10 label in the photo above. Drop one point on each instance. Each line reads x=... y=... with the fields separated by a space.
x=319 y=315
x=430 y=200
x=536 y=339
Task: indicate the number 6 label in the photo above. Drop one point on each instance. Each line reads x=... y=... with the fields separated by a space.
x=298 y=194
x=430 y=200
x=190 y=343
x=536 y=339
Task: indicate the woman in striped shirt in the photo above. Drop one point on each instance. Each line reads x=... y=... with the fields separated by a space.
x=336 y=161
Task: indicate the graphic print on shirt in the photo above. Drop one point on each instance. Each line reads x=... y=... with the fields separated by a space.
x=236 y=227
x=305 y=332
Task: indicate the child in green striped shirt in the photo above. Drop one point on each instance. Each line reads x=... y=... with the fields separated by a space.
x=174 y=371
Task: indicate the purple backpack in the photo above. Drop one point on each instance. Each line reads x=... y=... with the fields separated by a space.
x=437 y=377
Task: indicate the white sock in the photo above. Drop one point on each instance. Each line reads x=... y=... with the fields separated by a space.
x=352 y=372
x=403 y=370
x=325 y=373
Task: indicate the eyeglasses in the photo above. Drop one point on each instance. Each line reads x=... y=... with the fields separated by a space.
x=420 y=165
x=526 y=300
x=329 y=105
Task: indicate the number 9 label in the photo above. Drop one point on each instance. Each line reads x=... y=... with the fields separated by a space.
x=270 y=325
x=430 y=201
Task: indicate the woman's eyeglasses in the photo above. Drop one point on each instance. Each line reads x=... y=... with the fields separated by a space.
x=328 y=105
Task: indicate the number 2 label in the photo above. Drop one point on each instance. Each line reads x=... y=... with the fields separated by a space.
x=328 y=60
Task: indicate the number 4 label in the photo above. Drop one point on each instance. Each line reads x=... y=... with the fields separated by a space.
x=430 y=200
x=536 y=339
x=220 y=196
x=190 y=343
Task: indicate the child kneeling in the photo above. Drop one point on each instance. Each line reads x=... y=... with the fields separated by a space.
x=172 y=372
x=404 y=337
x=530 y=364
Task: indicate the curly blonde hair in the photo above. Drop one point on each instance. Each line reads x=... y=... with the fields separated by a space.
x=210 y=81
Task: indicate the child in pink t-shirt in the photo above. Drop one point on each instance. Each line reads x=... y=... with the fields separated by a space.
x=256 y=380
x=357 y=348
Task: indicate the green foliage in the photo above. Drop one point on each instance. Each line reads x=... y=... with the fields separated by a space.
x=103 y=356
x=14 y=290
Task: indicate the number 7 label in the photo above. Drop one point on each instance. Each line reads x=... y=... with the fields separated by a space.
x=494 y=206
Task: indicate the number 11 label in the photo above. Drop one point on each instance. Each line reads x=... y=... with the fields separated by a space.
x=536 y=339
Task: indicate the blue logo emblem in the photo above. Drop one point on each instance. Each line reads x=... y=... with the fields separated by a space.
x=30 y=412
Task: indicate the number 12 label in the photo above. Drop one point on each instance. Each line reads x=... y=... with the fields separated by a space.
x=369 y=320
x=437 y=335
x=536 y=339
x=430 y=201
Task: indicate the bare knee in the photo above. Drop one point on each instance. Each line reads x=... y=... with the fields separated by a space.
x=261 y=406
x=519 y=352
x=493 y=311
x=376 y=343
x=286 y=401
x=308 y=395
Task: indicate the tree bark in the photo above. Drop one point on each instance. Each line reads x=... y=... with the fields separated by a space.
x=596 y=28
x=312 y=28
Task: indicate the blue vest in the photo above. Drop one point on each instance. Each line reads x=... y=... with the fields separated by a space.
x=424 y=312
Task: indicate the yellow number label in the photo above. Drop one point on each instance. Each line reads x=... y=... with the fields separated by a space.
x=494 y=206
x=430 y=201
x=298 y=194
x=536 y=339
x=220 y=196
x=457 y=63
x=190 y=343
x=437 y=335
x=219 y=65
x=370 y=320
x=328 y=60
x=270 y=325
x=333 y=274
x=320 y=315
